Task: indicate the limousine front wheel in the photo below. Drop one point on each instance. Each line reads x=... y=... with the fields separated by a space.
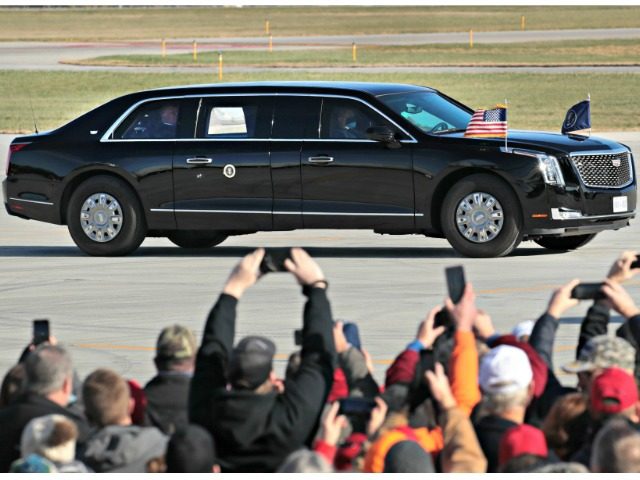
x=196 y=239
x=481 y=217
x=105 y=218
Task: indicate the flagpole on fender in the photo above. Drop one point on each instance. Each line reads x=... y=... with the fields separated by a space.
x=506 y=133
x=589 y=100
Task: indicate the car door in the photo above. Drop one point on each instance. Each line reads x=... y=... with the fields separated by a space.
x=349 y=181
x=222 y=178
x=296 y=119
x=143 y=144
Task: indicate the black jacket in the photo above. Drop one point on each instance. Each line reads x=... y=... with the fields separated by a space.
x=542 y=339
x=14 y=417
x=253 y=432
x=168 y=401
x=490 y=430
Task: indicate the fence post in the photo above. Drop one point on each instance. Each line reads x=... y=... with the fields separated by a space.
x=219 y=65
x=354 y=52
x=195 y=51
x=522 y=23
x=267 y=28
x=270 y=43
x=470 y=38
x=163 y=48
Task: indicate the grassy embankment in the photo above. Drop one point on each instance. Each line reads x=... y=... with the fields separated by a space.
x=594 y=52
x=536 y=101
x=140 y=23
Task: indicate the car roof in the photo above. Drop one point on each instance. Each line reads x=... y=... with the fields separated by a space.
x=370 y=88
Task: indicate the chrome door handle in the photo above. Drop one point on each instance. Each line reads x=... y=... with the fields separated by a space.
x=199 y=160
x=320 y=159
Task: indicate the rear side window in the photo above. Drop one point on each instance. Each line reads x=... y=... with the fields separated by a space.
x=231 y=120
x=296 y=118
x=235 y=117
x=152 y=120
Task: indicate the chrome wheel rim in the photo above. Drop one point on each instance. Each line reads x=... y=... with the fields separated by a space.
x=101 y=217
x=479 y=217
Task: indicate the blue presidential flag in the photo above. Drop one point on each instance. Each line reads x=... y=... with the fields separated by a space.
x=578 y=117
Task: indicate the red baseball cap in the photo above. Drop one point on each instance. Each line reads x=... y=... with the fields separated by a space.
x=522 y=440
x=613 y=391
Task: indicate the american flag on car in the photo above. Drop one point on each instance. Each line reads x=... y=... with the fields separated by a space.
x=488 y=123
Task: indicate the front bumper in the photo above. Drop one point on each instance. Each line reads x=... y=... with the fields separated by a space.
x=583 y=226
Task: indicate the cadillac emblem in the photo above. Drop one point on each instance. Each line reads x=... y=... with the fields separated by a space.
x=616 y=162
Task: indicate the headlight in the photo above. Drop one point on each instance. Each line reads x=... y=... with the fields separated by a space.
x=549 y=166
x=551 y=170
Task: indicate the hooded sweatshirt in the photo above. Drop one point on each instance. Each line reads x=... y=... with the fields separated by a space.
x=118 y=448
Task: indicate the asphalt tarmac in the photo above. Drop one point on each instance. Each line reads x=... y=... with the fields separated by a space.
x=48 y=55
x=109 y=311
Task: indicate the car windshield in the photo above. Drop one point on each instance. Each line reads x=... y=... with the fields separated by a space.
x=428 y=111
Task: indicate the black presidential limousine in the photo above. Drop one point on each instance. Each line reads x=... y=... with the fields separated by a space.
x=199 y=163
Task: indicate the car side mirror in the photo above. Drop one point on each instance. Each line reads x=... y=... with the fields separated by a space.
x=383 y=134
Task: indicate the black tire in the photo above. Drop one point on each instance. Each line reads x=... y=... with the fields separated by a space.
x=131 y=230
x=565 y=243
x=510 y=233
x=196 y=238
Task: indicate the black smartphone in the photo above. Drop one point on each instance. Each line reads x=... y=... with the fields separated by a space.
x=297 y=337
x=455 y=282
x=588 y=291
x=356 y=406
x=636 y=262
x=274 y=258
x=40 y=331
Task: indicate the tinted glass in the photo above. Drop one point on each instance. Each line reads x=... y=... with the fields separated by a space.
x=296 y=118
x=152 y=120
x=235 y=117
x=428 y=111
x=348 y=119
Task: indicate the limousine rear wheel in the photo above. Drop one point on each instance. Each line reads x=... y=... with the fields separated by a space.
x=105 y=218
x=481 y=217
x=565 y=243
x=196 y=238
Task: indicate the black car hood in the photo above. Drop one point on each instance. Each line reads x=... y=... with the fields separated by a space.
x=547 y=142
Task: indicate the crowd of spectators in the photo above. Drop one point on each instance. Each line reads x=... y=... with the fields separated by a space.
x=461 y=397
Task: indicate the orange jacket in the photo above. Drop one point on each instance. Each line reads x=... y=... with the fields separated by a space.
x=464 y=386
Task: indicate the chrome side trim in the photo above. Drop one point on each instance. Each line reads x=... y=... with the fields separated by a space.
x=171 y=210
x=30 y=201
x=116 y=124
x=263 y=212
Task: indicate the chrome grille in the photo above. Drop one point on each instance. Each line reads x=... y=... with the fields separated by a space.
x=604 y=170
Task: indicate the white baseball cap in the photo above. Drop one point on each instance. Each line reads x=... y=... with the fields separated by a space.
x=505 y=369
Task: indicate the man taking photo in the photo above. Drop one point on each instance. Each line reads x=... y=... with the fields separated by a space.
x=255 y=420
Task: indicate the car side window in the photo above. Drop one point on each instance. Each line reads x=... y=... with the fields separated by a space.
x=348 y=119
x=152 y=120
x=235 y=117
x=296 y=117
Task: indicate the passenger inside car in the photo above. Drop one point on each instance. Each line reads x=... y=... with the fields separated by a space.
x=154 y=123
x=346 y=122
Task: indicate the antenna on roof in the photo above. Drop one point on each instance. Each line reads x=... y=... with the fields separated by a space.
x=33 y=115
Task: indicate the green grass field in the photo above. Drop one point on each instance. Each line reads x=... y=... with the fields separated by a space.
x=601 y=52
x=115 y=24
x=536 y=101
